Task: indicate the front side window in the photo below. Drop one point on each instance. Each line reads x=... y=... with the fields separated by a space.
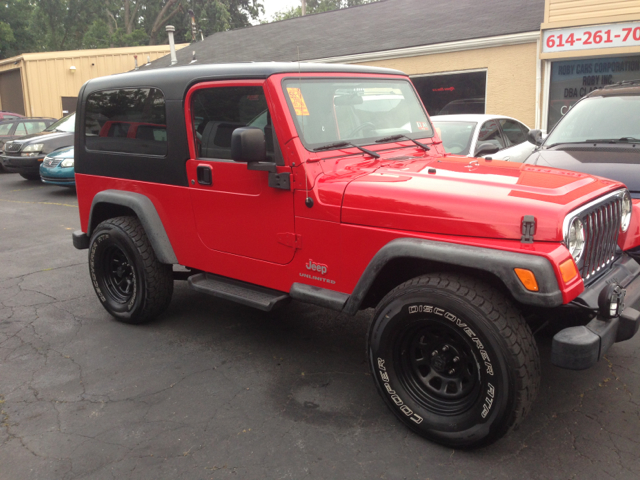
x=20 y=129
x=515 y=132
x=490 y=133
x=128 y=120
x=218 y=111
x=456 y=136
x=34 y=127
x=354 y=110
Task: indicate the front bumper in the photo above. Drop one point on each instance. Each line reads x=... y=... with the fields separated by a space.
x=578 y=348
x=22 y=164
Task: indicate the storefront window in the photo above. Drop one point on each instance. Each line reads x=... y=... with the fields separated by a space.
x=572 y=80
x=452 y=93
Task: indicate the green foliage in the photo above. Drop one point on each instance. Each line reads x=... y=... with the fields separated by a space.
x=50 y=25
x=16 y=35
x=317 y=6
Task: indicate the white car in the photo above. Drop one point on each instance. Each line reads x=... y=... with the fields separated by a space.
x=501 y=138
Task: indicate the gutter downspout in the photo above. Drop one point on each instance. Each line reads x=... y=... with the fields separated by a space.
x=538 y=85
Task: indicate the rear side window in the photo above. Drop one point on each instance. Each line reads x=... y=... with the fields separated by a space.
x=5 y=128
x=128 y=120
x=20 y=129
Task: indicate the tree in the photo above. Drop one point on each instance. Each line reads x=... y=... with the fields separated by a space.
x=62 y=24
x=317 y=6
x=16 y=36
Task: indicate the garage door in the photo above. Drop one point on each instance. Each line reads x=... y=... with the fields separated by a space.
x=11 y=92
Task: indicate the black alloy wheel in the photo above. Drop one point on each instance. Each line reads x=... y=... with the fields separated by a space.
x=119 y=275
x=439 y=366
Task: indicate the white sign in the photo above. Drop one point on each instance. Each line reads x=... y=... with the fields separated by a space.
x=598 y=36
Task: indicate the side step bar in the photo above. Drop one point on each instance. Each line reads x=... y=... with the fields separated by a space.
x=248 y=294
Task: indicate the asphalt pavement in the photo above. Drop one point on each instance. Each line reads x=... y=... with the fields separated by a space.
x=215 y=390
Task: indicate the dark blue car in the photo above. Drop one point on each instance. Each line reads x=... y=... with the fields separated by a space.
x=57 y=168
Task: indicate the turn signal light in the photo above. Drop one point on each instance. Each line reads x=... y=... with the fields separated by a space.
x=568 y=270
x=527 y=278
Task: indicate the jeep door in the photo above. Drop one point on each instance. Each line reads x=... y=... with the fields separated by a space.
x=236 y=211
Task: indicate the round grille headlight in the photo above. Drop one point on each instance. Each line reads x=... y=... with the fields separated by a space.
x=625 y=217
x=575 y=239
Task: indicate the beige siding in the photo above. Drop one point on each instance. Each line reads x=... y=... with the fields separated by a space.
x=562 y=13
x=49 y=79
x=511 y=78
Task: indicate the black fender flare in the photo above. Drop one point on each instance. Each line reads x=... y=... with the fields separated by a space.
x=497 y=262
x=148 y=216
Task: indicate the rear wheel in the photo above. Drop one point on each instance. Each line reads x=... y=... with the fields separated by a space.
x=453 y=359
x=30 y=176
x=128 y=278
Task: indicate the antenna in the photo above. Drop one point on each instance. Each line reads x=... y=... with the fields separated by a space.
x=308 y=201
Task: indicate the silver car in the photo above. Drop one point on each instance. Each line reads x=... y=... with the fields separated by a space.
x=500 y=137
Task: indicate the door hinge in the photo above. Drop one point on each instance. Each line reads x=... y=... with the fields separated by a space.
x=528 y=228
x=280 y=180
x=290 y=240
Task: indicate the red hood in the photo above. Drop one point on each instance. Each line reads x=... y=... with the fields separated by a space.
x=470 y=197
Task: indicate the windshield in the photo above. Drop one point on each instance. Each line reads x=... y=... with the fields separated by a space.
x=600 y=118
x=456 y=136
x=65 y=124
x=355 y=110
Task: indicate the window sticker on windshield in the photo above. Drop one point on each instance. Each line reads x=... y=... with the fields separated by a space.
x=297 y=100
x=423 y=125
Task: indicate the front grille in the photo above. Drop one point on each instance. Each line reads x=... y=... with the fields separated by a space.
x=52 y=162
x=601 y=229
x=11 y=147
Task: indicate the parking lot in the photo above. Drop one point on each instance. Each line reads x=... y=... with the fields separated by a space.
x=216 y=390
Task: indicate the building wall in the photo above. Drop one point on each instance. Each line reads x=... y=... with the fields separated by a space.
x=46 y=77
x=511 y=77
x=566 y=13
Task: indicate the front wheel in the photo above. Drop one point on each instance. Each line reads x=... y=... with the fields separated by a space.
x=128 y=278
x=453 y=359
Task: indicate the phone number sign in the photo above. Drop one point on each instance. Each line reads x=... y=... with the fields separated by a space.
x=585 y=38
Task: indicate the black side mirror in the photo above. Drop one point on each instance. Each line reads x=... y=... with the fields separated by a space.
x=248 y=145
x=486 y=149
x=535 y=137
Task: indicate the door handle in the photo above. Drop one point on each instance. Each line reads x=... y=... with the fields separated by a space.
x=205 y=175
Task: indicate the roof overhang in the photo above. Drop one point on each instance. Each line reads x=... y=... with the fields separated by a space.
x=473 y=44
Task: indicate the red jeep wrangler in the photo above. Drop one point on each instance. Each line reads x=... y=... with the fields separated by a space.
x=327 y=184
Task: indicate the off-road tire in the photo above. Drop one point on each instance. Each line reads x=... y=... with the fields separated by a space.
x=128 y=278
x=30 y=176
x=453 y=359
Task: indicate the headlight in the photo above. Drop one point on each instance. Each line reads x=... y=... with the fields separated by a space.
x=575 y=239
x=625 y=218
x=36 y=147
x=67 y=162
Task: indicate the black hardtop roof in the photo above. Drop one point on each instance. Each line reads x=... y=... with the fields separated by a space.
x=173 y=81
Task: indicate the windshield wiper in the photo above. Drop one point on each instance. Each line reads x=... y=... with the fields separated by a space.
x=399 y=136
x=614 y=140
x=345 y=144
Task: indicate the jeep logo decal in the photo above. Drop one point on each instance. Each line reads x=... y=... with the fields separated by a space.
x=316 y=267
